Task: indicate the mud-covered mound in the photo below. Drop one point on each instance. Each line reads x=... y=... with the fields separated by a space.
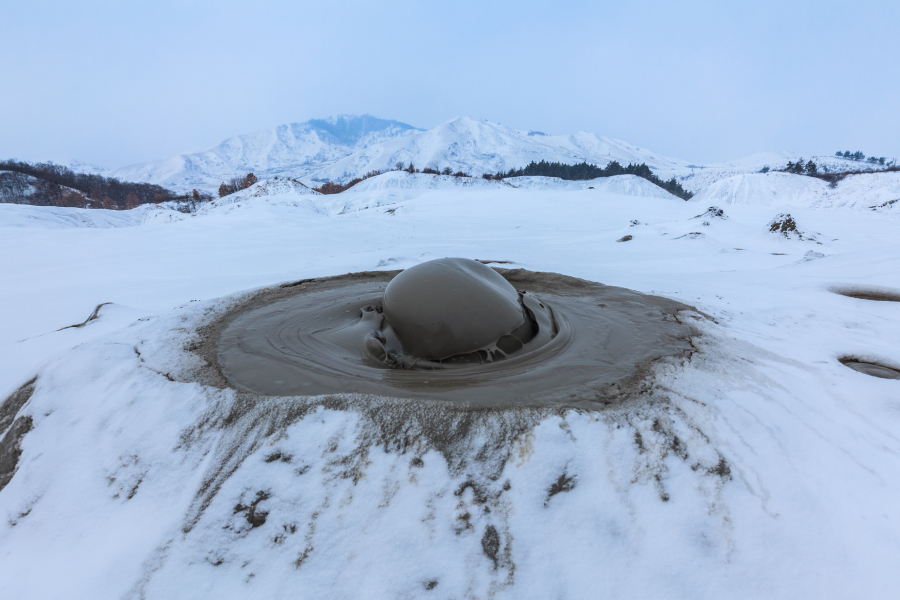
x=868 y=293
x=290 y=341
x=870 y=368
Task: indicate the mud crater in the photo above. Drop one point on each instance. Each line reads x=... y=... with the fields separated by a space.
x=868 y=293
x=543 y=339
x=868 y=367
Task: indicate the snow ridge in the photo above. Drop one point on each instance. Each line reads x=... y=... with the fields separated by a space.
x=291 y=150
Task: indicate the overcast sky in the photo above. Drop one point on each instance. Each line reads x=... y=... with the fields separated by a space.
x=119 y=82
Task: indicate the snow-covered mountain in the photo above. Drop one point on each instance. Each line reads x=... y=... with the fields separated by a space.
x=477 y=146
x=291 y=150
x=341 y=148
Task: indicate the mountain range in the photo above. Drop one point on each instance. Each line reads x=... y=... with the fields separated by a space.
x=343 y=147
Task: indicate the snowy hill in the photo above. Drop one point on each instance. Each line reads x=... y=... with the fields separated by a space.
x=291 y=150
x=699 y=176
x=758 y=466
x=864 y=191
x=53 y=217
x=401 y=180
x=477 y=146
x=628 y=185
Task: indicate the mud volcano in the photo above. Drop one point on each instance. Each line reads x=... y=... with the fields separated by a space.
x=450 y=329
x=870 y=368
x=863 y=293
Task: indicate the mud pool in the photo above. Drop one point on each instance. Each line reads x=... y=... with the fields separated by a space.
x=584 y=340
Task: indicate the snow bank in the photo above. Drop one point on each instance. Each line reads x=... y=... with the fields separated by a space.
x=764 y=189
x=401 y=180
x=627 y=185
x=52 y=217
x=864 y=191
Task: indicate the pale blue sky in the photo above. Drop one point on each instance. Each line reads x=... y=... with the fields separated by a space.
x=117 y=82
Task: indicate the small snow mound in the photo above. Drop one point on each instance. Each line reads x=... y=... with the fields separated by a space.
x=54 y=217
x=423 y=181
x=268 y=191
x=272 y=187
x=764 y=189
x=627 y=185
x=713 y=212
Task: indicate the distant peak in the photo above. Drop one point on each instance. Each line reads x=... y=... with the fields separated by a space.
x=348 y=129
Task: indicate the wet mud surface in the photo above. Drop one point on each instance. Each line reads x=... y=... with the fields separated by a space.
x=874 y=294
x=299 y=340
x=13 y=430
x=870 y=368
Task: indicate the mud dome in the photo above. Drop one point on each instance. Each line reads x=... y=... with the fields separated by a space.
x=304 y=339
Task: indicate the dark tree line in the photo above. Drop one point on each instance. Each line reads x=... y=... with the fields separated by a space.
x=585 y=170
x=48 y=184
x=859 y=157
x=811 y=169
x=801 y=168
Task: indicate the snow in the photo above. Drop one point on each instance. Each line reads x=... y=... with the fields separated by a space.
x=477 y=146
x=864 y=191
x=764 y=467
x=698 y=177
x=628 y=185
x=401 y=180
x=344 y=147
x=52 y=217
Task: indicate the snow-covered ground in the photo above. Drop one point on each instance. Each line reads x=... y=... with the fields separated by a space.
x=759 y=467
x=696 y=178
x=867 y=191
x=628 y=185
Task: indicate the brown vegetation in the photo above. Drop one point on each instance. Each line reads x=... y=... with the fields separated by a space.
x=47 y=184
x=237 y=184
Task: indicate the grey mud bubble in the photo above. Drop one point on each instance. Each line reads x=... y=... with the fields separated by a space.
x=459 y=311
x=451 y=329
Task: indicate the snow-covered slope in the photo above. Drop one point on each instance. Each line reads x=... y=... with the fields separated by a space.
x=862 y=191
x=52 y=217
x=627 y=185
x=476 y=146
x=291 y=150
x=697 y=177
x=401 y=180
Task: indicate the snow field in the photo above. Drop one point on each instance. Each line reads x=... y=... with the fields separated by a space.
x=761 y=467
